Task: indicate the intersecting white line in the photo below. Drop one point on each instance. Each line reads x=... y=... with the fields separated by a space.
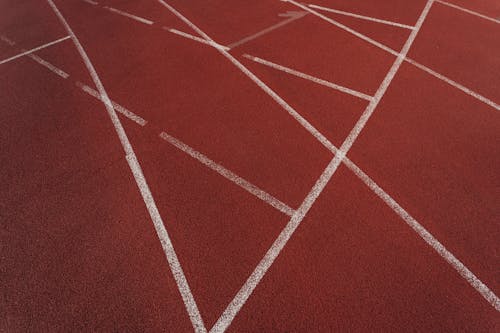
x=131 y=158
x=121 y=109
x=39 y=60
x=197 y=39
x=130 y=16
x=247 y=289
x=362 y=17
x=243 y=183
x=468 y=11
x=309 y=77
x=395 y=53
x=34 y=49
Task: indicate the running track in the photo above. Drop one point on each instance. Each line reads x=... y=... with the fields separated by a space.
x=250 y=166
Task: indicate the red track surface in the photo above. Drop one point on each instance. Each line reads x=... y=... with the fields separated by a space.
x=378 y=246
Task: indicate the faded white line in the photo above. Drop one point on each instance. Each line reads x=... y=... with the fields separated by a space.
x=362 y=17
x=7 y=40
x=243 y=183
x=34 y=49
x=91 y=2
x=196 y=39
x=309 y=77
x=247 y=289
x=468 y=11
x=127 y=113
x=292 y=16
x=166 y=243
x=130 y=16
x=407 y=59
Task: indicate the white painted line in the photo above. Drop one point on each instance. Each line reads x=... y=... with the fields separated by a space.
x=233 y=308
x=247 y=289
x=468 y=11
x=34 y=50
x=454 y=84
x=127 y=113
x=320 y=137
x=472 y=279
x=39 y=60
x=409 y=60
x=344 y=27
x=292 y=16
x=91 y=2
x=243 y=183
x=362 y=17
x=125 y=14
x=309 y=77
x=196 y=39
x=49 y=66
x=166 y=243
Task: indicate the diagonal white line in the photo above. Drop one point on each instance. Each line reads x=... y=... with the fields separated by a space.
x=247 y=289
x=293 y=17
x=243 y=183
x=362 y=17
x=131 y=158
x=91 y=2
x=407 y=59
x=196 y=39
x=468 y=11
x=130 y=16
x=39 y=60
x=119 y=108
x=309 y=77
x=34 y=49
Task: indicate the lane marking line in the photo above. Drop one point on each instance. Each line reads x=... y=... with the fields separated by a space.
x=309 y=77
x=38 y=48
x=243 y=183
x=91 y=2
x=454 y=84
x=362 y=17
x=130 y=16
x=468 y=11
x=119 y=108
x=49 y=66
x=197 y=39
x=39 y=60
x=140 y=179
x=301 y=120
x=407 y=59
x=251 y=283
x=449 y=257
x=292 y=16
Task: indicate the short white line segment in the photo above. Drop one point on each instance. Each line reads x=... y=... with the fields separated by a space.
x=362 y=17
x=38 y=48
x=309 y=77
x=131 y=158
x=121 y=109
x=243 y=183
x=130 y=16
